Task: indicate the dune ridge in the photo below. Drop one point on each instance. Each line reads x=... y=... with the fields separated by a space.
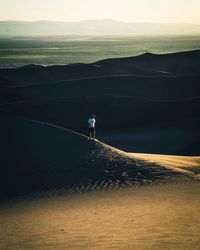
x=47 y=157
x=189 y=165
x=182 y=164
x=129 y=96
x=170 y=65
x=136 y=89
x=59 y=190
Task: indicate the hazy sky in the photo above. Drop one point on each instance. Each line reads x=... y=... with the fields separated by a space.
x=179 y=11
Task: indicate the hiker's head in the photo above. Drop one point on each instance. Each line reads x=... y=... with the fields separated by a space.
x=93 y=116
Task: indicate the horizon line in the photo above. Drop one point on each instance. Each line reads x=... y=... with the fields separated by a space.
x=103 y=19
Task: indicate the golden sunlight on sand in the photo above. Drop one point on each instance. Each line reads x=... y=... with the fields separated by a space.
x=153 y=217
x=185 y=164
x=188 y=165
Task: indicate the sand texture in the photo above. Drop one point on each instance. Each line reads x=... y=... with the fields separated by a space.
x=136 y=187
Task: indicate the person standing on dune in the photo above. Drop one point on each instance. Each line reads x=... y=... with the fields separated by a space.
x=91 y=127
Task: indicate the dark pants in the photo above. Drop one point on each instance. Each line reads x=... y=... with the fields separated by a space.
x=92 y=132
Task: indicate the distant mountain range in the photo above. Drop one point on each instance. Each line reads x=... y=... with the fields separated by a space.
x=95 y=27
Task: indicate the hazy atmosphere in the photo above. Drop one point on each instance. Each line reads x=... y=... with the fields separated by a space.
x=170 y=11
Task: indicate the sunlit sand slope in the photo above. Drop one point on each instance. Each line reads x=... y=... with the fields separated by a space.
x=184 y=164
x=149 y=218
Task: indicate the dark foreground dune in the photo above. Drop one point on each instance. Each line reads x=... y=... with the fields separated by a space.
x=39 y=157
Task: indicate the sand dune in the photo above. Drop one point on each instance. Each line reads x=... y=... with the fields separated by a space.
x=54 y=182
x=48 y=157
x=133 y=99
x=128 y=95
x=149 y=65
x=189 y=165
x=159 y=217
x=171 y=160
x=183 y=164
x=62 y=199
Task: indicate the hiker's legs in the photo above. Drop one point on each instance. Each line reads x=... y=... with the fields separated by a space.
x=94 y=133
x=90 y=133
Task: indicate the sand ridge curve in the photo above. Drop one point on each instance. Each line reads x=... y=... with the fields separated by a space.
x=189 y=165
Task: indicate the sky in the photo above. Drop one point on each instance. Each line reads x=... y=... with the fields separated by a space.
x=159 y=11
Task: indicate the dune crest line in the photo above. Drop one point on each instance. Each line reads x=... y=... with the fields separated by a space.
x=178 y=164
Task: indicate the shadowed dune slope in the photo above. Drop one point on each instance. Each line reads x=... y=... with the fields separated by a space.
x=131 y=102
x=36 y=157
x=123 y=105
x=181 y=63
x=165 y=65
x=39 y=157
x=139 y=101
x=147 y=115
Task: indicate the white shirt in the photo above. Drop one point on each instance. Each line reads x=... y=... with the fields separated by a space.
x=91 y=122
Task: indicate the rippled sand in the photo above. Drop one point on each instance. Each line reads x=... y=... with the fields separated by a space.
x=188 y=165
x=151 y=217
